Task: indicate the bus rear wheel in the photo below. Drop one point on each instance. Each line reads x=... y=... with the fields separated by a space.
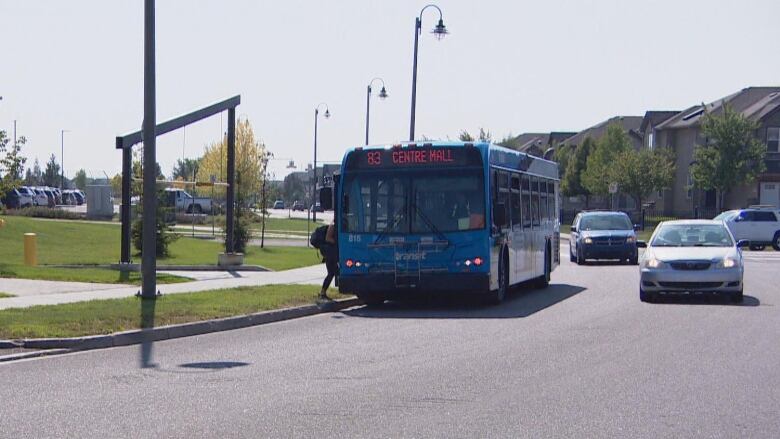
x=544 y=280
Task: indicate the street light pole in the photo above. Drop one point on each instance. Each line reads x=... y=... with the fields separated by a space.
x=382 y=95
x=439 y=31
x=149 y=248
x=62 y=158
x=314 y=182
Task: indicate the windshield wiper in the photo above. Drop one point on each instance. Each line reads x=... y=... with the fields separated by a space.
x=396 y=217
x=429 y=223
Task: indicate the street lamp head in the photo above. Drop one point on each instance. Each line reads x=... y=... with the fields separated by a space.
x=440 y=31
x=327 y=113
x=383 y=93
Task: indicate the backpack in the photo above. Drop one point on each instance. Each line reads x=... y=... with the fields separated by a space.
x=317 y=239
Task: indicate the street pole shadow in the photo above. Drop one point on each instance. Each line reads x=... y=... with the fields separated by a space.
x=147 y=324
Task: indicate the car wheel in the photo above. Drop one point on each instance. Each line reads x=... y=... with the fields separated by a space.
x=644 y=296
x=737 y=297
x=776 y=241
x=580 y=257
x=634 y=260
x=571 y=255
x=498 y=295
x=198 y=209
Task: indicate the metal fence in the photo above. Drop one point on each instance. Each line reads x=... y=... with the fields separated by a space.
x=648 y=218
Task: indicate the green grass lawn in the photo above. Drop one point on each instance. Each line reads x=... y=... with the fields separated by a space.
x=74 y=242
x=286 y=225
x=107 y=316
x=4 y=295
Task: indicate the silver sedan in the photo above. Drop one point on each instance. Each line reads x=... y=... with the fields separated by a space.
x=689 y=257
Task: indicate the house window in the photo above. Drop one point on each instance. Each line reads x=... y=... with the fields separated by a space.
x=689 y=194
x=773 y=139
x=651 y=139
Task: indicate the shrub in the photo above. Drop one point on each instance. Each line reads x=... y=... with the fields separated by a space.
x=164 y=235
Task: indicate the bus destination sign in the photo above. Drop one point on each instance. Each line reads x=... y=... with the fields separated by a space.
x=412 y=157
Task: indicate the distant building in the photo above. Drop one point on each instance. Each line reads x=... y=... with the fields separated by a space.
x=682 y=133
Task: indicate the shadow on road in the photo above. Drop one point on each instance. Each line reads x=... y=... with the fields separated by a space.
x=704 y=299
x=214 y=365
x=520 y=303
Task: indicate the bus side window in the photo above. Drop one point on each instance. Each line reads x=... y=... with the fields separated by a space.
x=535 y=201
x=543 y=212
x=526 y=198
x=516 y=201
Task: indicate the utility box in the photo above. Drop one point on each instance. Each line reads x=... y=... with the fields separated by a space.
x=100 y=203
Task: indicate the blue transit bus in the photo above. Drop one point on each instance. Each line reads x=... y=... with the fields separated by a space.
x=433 y=217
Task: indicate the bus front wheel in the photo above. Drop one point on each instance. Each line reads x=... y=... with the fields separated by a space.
x=498 y=295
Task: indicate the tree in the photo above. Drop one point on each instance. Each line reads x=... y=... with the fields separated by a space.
x=80 y=180
x=185 y=169
x=600 y=169
x=249 y=153
x=293 y=188
x=116 y=185
x=464 y=136
x=138 y=171
x=640 y=173
x=571 y=181
x=11 y=163
x=51 y=175
x=732 y=155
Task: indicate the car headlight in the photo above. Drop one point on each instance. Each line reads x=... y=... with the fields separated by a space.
x=588 y=240
x=653 y=263
x=729 y=262
x=631 y=239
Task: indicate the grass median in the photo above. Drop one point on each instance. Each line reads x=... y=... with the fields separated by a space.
x=84 y=243
x=114 y=315
x=5 y=295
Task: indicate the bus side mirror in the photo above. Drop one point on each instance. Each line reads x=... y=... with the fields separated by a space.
x=499 y=215
x=326 y=198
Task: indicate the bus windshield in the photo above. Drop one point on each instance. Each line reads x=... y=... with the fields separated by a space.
x=418 y=202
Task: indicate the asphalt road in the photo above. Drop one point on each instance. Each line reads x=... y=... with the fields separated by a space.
x=583 y=358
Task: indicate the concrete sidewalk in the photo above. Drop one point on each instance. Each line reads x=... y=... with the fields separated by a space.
x=35 y=292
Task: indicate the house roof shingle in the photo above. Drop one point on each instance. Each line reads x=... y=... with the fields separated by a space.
x=630 y=124
x=753 y=102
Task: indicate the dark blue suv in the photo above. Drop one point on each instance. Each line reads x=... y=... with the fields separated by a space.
x=603 y=235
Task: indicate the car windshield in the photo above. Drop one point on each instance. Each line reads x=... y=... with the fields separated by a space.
x=725 y=215
x=414 y=202
x=692 y=235
x=605 y=222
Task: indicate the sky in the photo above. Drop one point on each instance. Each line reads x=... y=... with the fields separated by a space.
x=508 y=66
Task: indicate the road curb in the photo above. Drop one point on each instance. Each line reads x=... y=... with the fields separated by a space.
x=35 y=354
x=137 y=336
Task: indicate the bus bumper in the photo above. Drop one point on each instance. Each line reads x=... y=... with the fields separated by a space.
x=439 y=282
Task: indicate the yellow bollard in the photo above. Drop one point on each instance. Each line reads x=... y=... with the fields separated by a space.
x=30 y=250
x=2 y=223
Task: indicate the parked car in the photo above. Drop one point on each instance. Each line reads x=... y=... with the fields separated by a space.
x=50 y=197
x=316 y=207
x=278 y=204
x=603 y=235
x=760 y=225
x=12 y=200
x=68 y=198
x=689 y=257
x=297 y=206
x=77 y=197
x=187 y=203
x=38 y=196
x=25 y=197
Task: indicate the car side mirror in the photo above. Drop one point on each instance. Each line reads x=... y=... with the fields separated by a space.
x=641 y=244
x=326 y=198
x=573 y=229
x=743 y=243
